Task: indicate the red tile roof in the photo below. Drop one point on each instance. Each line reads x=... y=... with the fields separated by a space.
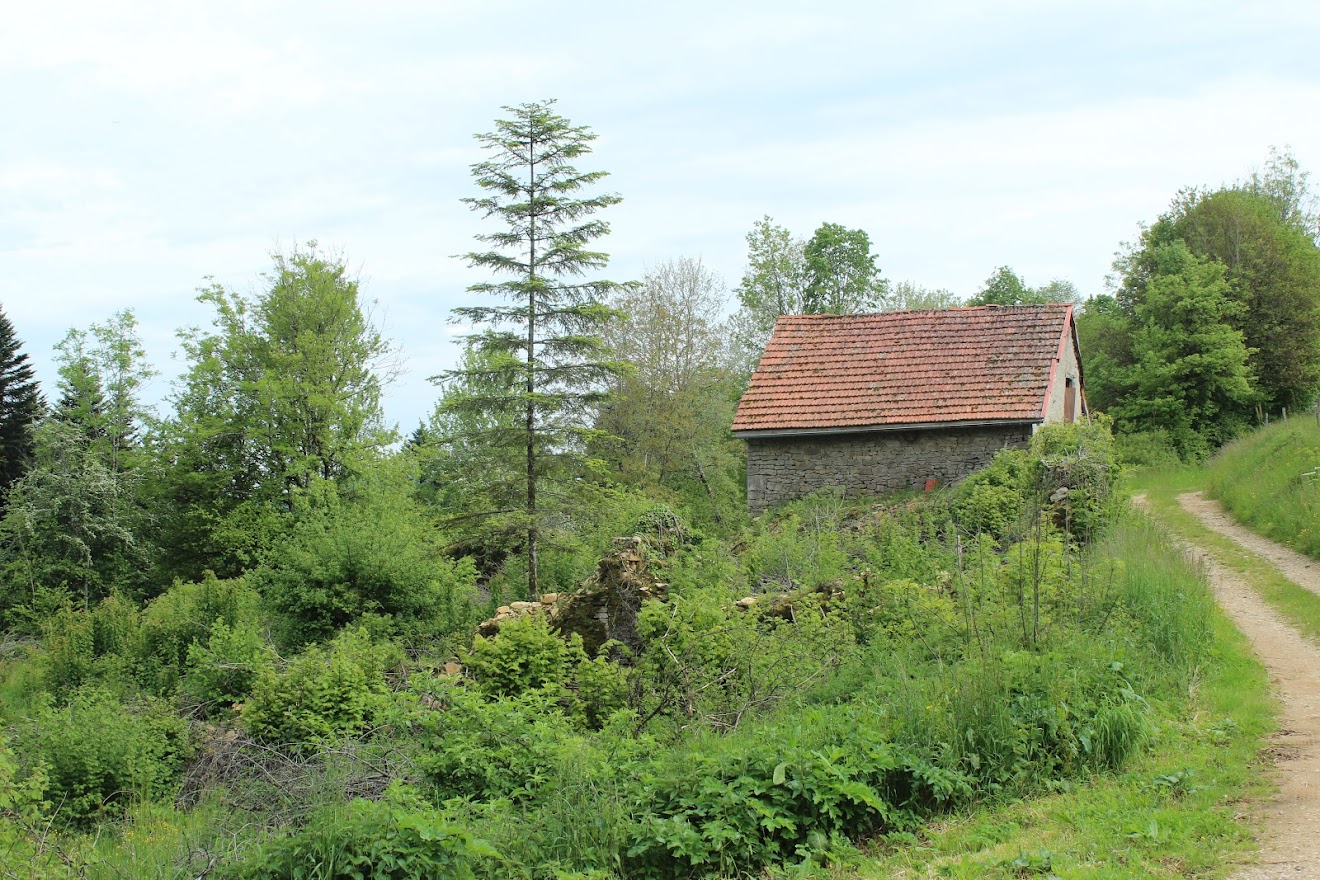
x=849 y=372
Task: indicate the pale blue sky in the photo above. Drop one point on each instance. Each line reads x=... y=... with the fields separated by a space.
x=147 y=145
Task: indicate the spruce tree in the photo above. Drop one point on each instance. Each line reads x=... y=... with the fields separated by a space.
x=539 y=364
x=20 y=404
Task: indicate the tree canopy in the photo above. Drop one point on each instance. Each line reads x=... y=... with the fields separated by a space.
x=834 y=272
x=1259 y=235
x=1005 y=287
x=669 y=415
x=283 y=389
x=1190 y=377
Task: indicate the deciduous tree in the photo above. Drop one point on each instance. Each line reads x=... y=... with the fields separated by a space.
x=842 y=276
x=832 y=273
x=907 y=295
x=284 y=388
x=1191 y=376
x=1273 y=269
x=1005 y=287
x=1288 y=188
x=670 y=413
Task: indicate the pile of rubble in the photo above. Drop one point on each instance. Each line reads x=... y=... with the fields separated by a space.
x=604 y=608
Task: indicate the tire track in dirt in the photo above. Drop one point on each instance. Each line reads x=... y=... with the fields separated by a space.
x=1290 y=845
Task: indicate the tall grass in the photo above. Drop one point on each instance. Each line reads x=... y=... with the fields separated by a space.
x=1162 y=590
x=1270 y=481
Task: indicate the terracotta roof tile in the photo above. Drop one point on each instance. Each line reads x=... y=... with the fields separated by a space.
x=856 y=371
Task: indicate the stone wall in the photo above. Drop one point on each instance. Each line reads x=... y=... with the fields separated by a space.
x=783 y=468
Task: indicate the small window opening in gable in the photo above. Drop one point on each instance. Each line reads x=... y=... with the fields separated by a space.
x=1069 y=400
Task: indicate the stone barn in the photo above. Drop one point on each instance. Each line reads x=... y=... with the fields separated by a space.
x=904 y=400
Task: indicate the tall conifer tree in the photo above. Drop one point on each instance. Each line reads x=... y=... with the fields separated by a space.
x=20 y=404
x=540 y=361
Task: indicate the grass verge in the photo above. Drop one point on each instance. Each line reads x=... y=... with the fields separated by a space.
x=1175 y=811
x=1269 y=480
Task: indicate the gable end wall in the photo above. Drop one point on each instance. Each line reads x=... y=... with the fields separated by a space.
x=780 y=469
x=1067 y=369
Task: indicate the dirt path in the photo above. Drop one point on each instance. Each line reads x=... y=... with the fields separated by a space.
x=1301 y=570
x=1291 y=840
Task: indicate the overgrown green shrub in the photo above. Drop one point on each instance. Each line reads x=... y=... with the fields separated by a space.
x=366 y=839
x=25 y=837
x=70 y=649
x=101 y=646
x=900 y=609
x=225 y=670
x=1147 y=449
x=122 y=647
x=527 y=655
x=579 y=824
x=707 y=661
x=365 y=549
x=786 y=792
x=98 y=754
x=1075 y=473
x=801 y=546
x=478 y=748
x=185 y=613
x=1068 y=473
x=992 y=500
x=329 y=691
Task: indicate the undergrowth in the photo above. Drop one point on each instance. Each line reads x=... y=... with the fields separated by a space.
x=843 y=678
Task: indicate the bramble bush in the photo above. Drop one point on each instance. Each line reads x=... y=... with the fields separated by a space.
x=525 y=655
x=25 y=821
x=900 y=609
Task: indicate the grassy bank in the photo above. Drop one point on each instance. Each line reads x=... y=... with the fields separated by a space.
x=1173 y=812
x=1270 y=482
